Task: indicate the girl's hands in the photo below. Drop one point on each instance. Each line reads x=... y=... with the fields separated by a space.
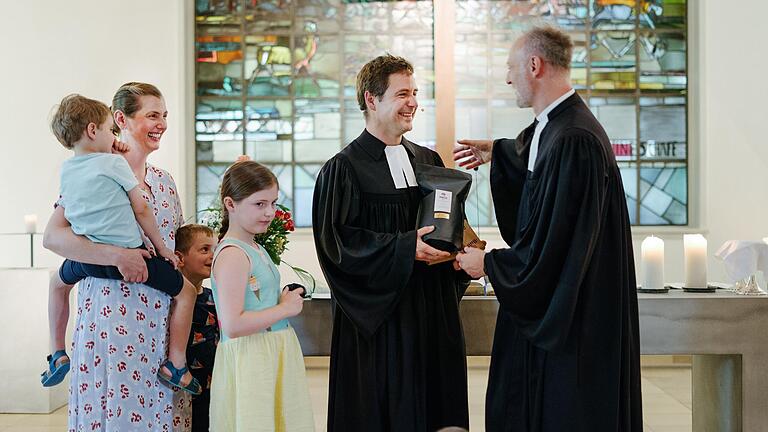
x=291 y=301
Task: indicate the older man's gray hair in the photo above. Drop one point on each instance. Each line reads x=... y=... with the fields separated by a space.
x=551 y=44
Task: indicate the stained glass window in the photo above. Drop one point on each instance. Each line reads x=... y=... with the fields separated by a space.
x=275 y=79
x=629 y=65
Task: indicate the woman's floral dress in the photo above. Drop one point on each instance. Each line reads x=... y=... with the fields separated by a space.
x=119 y=342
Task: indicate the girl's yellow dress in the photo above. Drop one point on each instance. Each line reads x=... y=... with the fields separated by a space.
x=259 y=382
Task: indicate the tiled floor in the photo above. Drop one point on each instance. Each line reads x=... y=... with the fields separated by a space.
x=666 y=400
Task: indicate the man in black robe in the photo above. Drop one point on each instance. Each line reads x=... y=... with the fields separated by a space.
x=397 y=350
x=566 y=353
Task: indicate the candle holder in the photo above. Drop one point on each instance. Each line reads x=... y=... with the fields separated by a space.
x=642 y=290
x=32 y=250
x=707 y=289
x=749 y=287
x=681 y=286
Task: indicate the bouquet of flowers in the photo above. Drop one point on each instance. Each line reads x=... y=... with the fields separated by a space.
x=274 y=240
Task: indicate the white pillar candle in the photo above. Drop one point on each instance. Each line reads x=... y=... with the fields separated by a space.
x=30 y=223
x=652 y=262
x=695 y=246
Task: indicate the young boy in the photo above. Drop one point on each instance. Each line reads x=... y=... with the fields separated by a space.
x=102 y=200
x=194 y=248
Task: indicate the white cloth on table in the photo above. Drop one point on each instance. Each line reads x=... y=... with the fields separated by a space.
x=743 y=258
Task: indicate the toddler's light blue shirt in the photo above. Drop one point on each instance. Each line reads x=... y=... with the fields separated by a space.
x=94 y=193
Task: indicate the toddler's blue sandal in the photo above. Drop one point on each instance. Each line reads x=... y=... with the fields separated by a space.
x=55 y=374
x=174 y=380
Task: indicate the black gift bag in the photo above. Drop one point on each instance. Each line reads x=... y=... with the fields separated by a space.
x=444 y=192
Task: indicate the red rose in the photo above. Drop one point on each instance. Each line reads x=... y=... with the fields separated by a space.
x=279 y=214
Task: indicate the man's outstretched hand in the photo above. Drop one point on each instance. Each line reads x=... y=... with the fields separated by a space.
x=472 y=153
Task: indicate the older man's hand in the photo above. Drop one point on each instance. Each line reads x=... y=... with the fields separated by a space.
x=472 y=261
x=471 y=154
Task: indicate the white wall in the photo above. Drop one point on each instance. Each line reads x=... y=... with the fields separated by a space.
x=55 y=48
x=89 y=47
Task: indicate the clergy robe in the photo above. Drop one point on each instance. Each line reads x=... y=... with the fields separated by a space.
x=397 y=349
x=566 y=347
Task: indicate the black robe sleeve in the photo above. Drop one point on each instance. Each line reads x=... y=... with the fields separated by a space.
x=537 y=279
x=367 y=271
x=508 y=172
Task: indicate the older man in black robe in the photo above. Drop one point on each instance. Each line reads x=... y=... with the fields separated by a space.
x=566 y=353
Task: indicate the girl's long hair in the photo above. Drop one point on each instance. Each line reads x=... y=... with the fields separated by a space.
x=240 y=181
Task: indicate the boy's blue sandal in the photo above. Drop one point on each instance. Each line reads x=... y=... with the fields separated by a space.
x=55 y=374
x=174 y=380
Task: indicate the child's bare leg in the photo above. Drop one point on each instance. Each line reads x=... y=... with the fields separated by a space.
x=180 y=324
x=58 y=311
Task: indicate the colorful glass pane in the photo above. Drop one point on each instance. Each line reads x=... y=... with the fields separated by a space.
x=268 y=65
x=317 y=16
x=316 y=67
x=664 y=193
x=218 y=12
x=663 y=131
x=370 y=18
x=412 y=17
x=663 y=14
x=612 y=61
x=613 y=14
x=663 y=62
x=629 y=179
x=521 y=15
x=219 y=65
x=269 y=130
x=268 y=16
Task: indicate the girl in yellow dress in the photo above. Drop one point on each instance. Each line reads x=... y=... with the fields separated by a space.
x=259 y=381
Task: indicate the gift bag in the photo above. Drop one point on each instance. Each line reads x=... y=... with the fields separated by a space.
x=444 y=192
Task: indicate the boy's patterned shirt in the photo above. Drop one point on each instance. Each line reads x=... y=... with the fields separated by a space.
x=203 y=339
